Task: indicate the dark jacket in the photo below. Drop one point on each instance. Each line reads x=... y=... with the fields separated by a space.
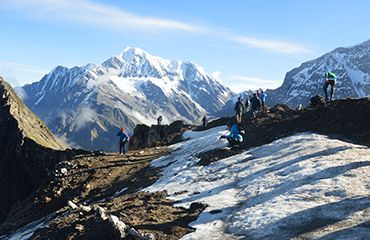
x=255 y=102
x=239 y=107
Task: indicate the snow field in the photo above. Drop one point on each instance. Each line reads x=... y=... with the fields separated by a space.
x=305 y=186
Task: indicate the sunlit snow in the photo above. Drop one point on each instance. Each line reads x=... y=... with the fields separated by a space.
x=305 y=185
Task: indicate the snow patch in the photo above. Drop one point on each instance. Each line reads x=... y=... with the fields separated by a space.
x=279 y=189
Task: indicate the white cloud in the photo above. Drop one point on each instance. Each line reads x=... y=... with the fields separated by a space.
x=243 y=83
x=21 y=93
x=91 y=13
x=268 y=44
x=65 y=141
x=83 y=116
x=85 y=11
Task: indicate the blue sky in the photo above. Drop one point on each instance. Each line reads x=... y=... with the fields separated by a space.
x=245 y=44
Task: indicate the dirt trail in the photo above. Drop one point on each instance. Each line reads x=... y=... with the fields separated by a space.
x=113 y=182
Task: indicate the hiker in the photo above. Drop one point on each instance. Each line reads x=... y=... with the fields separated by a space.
x=247 y=104
x=300 y=107
x=239 y=109
x=204 y=120
x=263 y=96
x=159 y=120
x=330 y=79
x=123 y=141
x=258 y=94
x=255 y=104
x=234 y=137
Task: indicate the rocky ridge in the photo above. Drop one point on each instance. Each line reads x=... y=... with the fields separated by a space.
x=28 y=150
x=347 y=119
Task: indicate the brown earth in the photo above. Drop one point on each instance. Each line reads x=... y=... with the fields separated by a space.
x=41 y=182
x=97 y=181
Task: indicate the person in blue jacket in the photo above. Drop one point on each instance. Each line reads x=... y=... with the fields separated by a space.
x=123 y=141
x=263 y=100
x=234 y=136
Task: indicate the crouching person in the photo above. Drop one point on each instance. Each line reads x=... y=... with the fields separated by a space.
x=234 y=137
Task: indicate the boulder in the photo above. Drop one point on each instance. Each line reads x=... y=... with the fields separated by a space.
x=158 y=135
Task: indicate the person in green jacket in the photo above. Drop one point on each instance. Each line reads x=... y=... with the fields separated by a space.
x=330 y=79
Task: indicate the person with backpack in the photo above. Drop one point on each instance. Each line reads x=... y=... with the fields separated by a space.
x=330 y=79
x=255 y=104
x=247 y=104
x=159 y=120
x=234 y=136
x=123 y=141
x=204 y=120
x=263 y=96
x=239 y=109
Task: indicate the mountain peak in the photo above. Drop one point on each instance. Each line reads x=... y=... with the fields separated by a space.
x=134 y=51
x=350 y=64
x=134 y=54
x=133 y=87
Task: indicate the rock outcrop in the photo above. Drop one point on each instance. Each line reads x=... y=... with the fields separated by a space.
x=28 y=150
x=158 y=135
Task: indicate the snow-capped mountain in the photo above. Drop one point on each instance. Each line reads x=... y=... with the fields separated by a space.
x=86 y=105
x=351 y=65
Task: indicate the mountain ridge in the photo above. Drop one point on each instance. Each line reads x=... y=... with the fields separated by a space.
x=86 y=105
x=28 y=150
x=351 y=65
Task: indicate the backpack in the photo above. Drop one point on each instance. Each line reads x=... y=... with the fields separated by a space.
x=247 y=103
x=331 y=76
x=239 y=106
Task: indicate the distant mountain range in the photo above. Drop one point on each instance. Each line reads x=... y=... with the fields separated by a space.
x=85 y=106
x=351 y=65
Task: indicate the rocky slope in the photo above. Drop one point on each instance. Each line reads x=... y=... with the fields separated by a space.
x=350 y=64
x=28 y=150
x=81 y=201
x=346 y=119
x=49 y=192
x=106 y=196
x=87 y=105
